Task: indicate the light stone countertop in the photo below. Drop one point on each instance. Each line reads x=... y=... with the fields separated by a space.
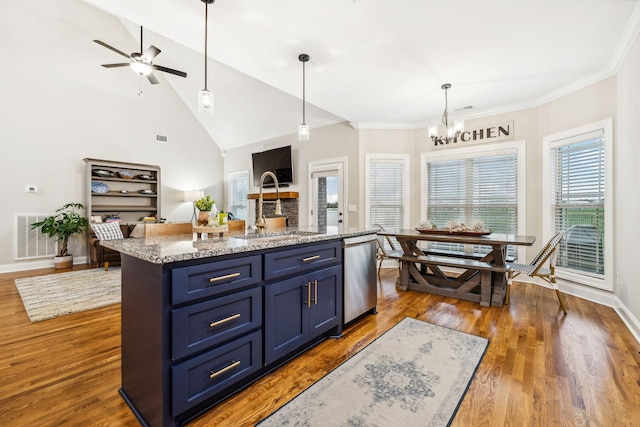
x=167 y=249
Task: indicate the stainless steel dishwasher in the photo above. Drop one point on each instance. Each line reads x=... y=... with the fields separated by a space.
x=360 y=282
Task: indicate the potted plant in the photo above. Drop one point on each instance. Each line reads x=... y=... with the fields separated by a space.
x=60 y=226
x=204 y=205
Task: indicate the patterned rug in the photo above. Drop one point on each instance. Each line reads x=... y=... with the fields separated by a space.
x=53 y=295
x=415 y=374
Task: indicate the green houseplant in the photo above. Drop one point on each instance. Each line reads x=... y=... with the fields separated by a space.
x=204 y=205
x=61 y=226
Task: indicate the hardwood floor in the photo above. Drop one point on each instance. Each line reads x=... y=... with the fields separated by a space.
x=540 y=368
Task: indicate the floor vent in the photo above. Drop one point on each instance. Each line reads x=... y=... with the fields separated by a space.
x=32 y=243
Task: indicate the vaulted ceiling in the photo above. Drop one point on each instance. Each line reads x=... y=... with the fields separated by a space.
x=373 y=63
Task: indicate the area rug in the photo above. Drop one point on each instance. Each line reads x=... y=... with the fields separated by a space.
x=415 y=374
x=53 y=295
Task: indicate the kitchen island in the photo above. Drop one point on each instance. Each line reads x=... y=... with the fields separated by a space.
x=202 y=319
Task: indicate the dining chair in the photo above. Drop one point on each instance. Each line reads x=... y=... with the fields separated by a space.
x=276 y=222
x=382 y=251
x=536 y=268
x=168 y=229
x=236 y=225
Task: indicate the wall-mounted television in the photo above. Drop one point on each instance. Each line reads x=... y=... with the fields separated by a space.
x=278 y=161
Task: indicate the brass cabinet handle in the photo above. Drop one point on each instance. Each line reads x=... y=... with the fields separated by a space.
x=315 y=292
x=308 y=301
x=228 y=276
x=234 y=363
x=225 y=320
x=311 y=258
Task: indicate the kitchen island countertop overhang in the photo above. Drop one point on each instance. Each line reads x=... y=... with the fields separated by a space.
x=168 y=249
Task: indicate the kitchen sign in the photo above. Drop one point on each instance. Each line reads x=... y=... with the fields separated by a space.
x=499 y=132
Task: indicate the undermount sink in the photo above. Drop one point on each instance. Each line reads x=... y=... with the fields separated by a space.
x=276 y=236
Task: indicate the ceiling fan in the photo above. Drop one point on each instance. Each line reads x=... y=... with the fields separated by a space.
x=142 y=63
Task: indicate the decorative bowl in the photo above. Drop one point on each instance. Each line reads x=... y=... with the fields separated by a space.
x=99 y=187
x=147 y=192
x=124 y=191
x=102 y=172
x=126 y=174
x=147 y=177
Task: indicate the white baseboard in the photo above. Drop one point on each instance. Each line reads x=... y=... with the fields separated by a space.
x=36 y=264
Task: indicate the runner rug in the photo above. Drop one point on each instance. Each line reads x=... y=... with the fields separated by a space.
x=415 y=374
x=53 y=295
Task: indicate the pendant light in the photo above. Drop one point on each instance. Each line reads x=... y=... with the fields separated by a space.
x=452 y=130
x=205 y=98
x=303 y=129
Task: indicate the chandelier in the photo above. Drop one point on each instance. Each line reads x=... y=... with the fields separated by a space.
x=450 y=130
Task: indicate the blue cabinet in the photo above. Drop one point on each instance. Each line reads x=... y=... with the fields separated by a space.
x=300 y=309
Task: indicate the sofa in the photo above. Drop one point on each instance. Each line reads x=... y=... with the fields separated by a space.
x=100 y=255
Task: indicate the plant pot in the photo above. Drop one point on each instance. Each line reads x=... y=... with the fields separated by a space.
x=63 y=261
x=203 y=218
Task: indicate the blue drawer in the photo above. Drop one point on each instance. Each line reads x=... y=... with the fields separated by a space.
x=299 y=260
x=206 y=280
x=200 y=326
x=202 y=377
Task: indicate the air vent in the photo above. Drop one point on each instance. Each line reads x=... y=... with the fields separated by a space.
x=162 y=138
x=32 y=243
x=468 y=107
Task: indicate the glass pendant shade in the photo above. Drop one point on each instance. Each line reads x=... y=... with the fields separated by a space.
x=205 y=102
x=303 y=132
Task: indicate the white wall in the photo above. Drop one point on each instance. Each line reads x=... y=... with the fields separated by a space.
x=59 y=106
x=627 y=195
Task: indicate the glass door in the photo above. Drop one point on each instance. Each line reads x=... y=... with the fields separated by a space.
x=326 y=213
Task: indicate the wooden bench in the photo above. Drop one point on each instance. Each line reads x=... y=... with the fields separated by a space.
x=463 y=254
x=459 y=286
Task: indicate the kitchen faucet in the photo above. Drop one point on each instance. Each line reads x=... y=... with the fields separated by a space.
x=260 y=222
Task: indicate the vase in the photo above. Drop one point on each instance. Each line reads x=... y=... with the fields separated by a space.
x=203 y=218
x=63 y=261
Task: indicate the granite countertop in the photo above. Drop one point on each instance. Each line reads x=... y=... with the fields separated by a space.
x=166 y=249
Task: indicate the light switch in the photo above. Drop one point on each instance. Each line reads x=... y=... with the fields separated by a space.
x=353 y=208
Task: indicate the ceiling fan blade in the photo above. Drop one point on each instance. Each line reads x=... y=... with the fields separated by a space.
x=169 y=70
x=111 y=48
x=152 y=79
x=125 y=64
x=150 y=53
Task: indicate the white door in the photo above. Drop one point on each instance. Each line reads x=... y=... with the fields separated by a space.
x=327 y=190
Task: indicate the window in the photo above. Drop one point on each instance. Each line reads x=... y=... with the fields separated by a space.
x=475 y=184
x=387 y=192
x=238 y=190
x=577 y=198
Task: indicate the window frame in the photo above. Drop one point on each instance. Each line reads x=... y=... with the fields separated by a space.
x=571 y=136
x=405 y=159
x=482 y=150
x=231 y=176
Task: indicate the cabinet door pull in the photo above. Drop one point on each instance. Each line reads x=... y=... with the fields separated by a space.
x=225 y=320
x=234 y=363
x=308 y=301
x=228 y=276
x=315 y=292
x=311 y=258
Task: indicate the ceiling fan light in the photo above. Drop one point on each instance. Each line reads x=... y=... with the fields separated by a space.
x=141 y=68
x=303 y=132
x=205 y=102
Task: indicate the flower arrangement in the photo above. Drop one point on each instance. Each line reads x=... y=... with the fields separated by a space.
x=204 y=204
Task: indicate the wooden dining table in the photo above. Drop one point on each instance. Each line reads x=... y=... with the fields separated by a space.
x=477 y=277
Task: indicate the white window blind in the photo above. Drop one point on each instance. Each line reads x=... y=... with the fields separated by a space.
x=386 y=192
x=578 y=204
x=238 y=190
x=466 y=190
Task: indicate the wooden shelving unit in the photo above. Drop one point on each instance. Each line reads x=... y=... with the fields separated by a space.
x=124 y=195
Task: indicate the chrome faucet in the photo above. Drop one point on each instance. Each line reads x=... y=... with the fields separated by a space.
x=260 y=222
